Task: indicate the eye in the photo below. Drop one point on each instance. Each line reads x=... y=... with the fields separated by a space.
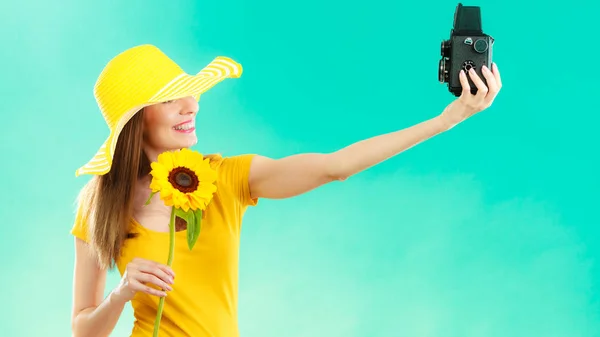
x=167 y=102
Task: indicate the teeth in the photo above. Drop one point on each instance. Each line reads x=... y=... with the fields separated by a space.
x=184 y=126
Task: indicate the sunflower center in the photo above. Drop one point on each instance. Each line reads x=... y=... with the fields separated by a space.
x=183 y=179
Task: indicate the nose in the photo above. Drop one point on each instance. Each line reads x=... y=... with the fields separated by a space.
x=189 y=106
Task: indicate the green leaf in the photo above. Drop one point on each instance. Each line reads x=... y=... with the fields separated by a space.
x=191 y=224
x=150 y=198
x=193 y=219
x=193 y=231
x=184 y=215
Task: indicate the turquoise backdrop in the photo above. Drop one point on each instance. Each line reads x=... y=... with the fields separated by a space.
x=490 y=229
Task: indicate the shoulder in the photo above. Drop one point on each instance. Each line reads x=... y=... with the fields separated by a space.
x=238 y=165
x=233 y=173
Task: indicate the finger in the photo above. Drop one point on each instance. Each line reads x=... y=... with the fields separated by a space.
x=491 y=83
x=161 y=266
x=464 y=82
x=497 y=75
x=167 y=270
x=140 y=287
x=149 y=278
x=164 y=268
x=482 y=89
x=155 y=270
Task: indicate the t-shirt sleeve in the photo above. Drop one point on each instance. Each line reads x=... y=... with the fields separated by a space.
x=236 y=171
x=80 y=228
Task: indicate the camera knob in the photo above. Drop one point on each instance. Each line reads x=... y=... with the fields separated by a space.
x=468 y=65
x=481 y=46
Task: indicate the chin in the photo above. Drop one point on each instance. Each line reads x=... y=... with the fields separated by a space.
x=183 y=139
x=188 y=142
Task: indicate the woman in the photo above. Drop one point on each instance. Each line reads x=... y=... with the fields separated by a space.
x=150 y=105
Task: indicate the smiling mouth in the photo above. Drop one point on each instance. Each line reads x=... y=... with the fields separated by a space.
x=185 y=127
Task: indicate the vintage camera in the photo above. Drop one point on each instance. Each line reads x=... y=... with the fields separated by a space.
x=468 y=47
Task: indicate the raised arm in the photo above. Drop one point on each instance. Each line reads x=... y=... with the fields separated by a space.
x=297 y=174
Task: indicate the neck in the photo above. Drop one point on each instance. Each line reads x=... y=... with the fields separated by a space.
x=152 y=154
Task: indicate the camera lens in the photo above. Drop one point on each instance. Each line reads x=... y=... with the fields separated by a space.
x=445 y=48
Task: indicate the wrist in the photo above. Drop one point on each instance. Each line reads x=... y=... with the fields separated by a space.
x=443 y=123
x=116 y=297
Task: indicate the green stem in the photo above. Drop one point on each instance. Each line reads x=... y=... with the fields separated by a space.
x=161 y=301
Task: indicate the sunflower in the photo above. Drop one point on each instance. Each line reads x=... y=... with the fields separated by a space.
x=184 y=179
x=186 y=183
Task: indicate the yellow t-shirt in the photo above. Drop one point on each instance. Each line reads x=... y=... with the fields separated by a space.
x=204 y=299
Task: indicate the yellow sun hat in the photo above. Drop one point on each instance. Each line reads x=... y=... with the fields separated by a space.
x=142 y=76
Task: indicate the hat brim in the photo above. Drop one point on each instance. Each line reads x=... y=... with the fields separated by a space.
x=183 y=85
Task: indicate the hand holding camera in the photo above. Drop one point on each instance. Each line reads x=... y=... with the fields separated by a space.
x=468 y=104
x=465 y=67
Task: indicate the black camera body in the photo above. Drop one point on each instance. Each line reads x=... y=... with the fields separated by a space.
x=468 y=47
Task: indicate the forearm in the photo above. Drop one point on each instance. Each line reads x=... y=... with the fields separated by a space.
x=369 y=152
x=101 y=320
x=297 y=174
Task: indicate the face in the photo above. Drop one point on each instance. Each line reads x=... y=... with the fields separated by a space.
x=170 y=126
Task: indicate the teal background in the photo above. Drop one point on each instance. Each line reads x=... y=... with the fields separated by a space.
x=489 y=229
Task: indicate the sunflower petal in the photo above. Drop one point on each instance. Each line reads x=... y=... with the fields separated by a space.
x=160 y=171
x=166 y=159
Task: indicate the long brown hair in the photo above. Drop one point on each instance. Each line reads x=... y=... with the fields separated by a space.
x=106 y=200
